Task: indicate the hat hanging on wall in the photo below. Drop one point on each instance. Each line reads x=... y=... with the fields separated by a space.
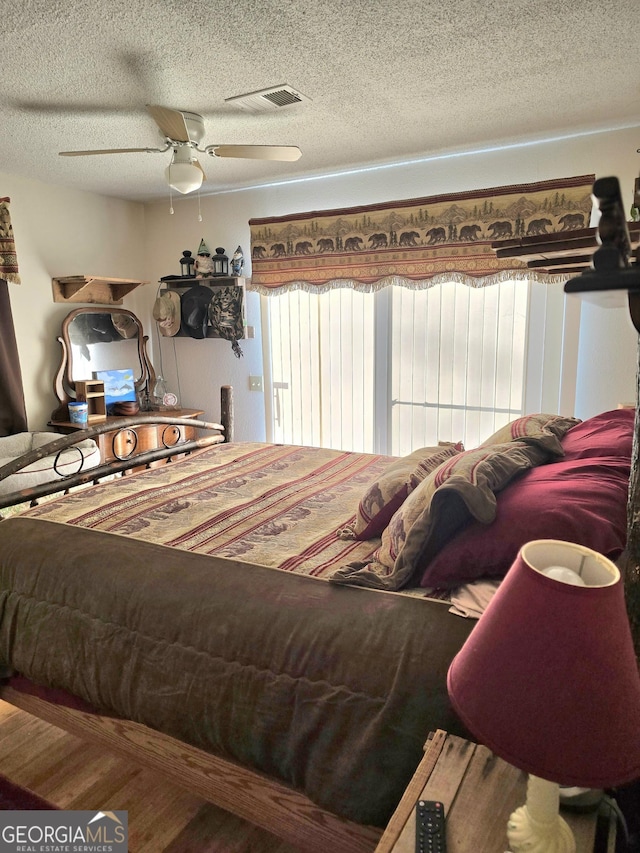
x=195 y=308
x=166 y=313
x=125 y=325
x=226 y=317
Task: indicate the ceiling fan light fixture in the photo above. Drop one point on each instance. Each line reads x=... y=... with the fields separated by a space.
x=184 y=173
x=183 y=177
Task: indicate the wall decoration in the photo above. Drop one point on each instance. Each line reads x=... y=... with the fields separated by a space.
x=204 y=262
x=187 y=262
x=447 y=237
x=119 y=386
x=237 y=262
x=8 y=258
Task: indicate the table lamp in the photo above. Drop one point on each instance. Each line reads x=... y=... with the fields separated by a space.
x=548 y=680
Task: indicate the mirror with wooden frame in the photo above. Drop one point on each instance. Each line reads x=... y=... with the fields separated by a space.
x=96 y=339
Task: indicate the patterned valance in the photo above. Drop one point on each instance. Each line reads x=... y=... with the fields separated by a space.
x=446 y=237
x=8 y=259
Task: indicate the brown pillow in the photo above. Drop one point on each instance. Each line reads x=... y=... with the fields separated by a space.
x=459 y=490
x=541 y=428
x=386 y=494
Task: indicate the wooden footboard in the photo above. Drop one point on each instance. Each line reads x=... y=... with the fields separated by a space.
x=251 y=796
x=214 y=433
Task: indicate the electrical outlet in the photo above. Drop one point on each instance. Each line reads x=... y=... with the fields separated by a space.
x=255 y=383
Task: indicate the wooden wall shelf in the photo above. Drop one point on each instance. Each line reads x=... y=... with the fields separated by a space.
x=93 y=289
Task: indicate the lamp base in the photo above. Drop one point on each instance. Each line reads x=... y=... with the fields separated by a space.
x=537 y=826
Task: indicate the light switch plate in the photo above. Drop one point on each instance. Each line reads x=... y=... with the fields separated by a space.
x=255 y=383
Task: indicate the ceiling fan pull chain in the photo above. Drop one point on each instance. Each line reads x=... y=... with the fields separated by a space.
x=170 y=199
x=199 y=209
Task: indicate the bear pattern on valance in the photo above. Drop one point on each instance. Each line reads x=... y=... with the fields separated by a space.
x=437 y=237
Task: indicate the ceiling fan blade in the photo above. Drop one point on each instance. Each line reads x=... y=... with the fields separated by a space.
x=256 y=152
x=171 y=122
x=111 y=151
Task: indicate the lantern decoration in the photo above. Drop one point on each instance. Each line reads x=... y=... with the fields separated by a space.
x=220 y=263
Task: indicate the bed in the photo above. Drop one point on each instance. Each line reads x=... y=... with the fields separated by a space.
x=272 y=625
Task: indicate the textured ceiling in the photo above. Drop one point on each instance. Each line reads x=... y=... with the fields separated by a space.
x=387 y=81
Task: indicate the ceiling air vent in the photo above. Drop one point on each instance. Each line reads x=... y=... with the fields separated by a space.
x=265 y=100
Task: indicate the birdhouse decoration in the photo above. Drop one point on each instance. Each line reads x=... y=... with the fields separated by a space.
x=204 y=266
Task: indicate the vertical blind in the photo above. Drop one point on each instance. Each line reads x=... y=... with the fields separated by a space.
x=398 y=368
x=396 y=325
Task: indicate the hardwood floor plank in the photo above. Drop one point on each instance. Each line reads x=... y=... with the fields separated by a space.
x=163 y=818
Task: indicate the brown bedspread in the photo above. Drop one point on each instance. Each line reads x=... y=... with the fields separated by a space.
x=328 y=688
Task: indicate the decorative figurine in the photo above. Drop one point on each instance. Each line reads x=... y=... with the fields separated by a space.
x=204 y=266
x=237 y=262
x=186 y=264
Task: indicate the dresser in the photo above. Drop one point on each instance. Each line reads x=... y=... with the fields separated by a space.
x=121 y=443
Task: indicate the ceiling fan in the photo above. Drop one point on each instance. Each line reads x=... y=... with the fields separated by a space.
x=182 y=132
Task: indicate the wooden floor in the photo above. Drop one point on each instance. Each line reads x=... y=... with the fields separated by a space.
x=76 y=775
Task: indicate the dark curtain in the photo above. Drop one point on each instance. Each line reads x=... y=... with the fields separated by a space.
x=13 y=416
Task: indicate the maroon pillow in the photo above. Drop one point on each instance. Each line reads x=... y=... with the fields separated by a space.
x=581 y=500
x=608 y=434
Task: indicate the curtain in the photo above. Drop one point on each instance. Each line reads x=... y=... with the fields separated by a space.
x=413 y=242
x=13 y=416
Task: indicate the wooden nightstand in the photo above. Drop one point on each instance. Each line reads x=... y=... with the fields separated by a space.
x=479 y=792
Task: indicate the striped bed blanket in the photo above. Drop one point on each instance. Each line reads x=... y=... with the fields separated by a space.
x=274 y=505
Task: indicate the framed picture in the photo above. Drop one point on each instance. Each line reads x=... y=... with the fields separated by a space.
x=119 y=386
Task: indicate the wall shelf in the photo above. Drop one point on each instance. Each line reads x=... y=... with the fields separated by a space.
x=183 y=284
x=93 y=289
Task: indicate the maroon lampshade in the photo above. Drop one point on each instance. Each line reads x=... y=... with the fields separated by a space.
x=548 y=678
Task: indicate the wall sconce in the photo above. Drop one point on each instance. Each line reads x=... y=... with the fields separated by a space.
x=548 y=680
x=220 y=263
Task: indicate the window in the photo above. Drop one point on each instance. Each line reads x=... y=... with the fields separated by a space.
x=400 y=368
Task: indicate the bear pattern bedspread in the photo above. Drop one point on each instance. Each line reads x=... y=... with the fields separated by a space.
x=278 y=506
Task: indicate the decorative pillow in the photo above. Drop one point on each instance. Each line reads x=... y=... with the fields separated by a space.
x=544 y=429
x=387 y=494
x=607 y=434
x=581 y=500
x=460 y=489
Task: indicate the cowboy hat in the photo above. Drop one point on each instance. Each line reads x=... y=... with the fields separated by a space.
x=195 y=305
x=125 y=325
x=166 y=313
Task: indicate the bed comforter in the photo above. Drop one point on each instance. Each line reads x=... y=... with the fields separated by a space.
x=331 y=689
x=276 y=505
x=155 y=599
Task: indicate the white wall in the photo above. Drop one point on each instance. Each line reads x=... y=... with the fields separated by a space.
x=61 y=232
x=604 y=371
x=65 y=232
